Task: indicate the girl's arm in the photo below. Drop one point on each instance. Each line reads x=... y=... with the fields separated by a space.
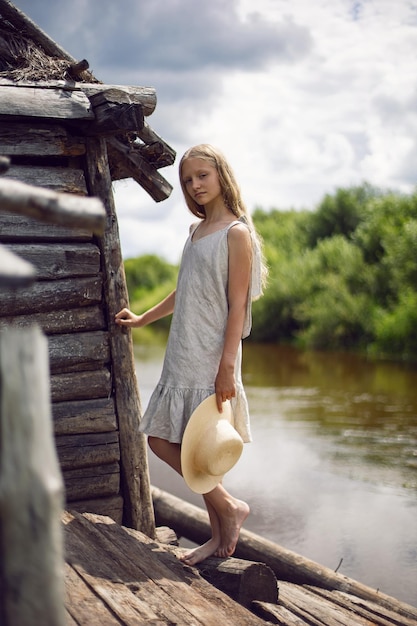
x=240 y=262
x=125 y=317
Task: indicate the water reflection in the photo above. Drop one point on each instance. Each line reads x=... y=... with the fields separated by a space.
x=331 y=472
x=368 y=410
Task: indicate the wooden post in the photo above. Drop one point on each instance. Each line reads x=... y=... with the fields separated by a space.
x=31 y=487
x=138 y=511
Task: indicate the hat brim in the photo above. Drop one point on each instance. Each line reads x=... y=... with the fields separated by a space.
x=206 y=416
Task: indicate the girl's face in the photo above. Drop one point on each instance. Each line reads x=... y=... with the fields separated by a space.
x=201 y=181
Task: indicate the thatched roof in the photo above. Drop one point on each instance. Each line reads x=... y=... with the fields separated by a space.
x=28 y=54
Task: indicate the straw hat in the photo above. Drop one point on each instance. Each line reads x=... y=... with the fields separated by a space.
x=210 y=446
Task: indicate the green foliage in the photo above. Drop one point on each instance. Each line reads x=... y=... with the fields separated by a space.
x=341 y=277
x=146 y=273
x=339 y=214
x=149 y=280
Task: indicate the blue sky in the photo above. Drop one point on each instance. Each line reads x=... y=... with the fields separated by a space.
x=302 y=97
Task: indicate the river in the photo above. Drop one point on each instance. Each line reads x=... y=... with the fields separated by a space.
x=332 y=470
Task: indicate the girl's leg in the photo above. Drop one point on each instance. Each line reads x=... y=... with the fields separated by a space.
x=226 y=513
x=167 y=451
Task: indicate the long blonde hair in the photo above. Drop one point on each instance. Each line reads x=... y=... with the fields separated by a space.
x=230 y=192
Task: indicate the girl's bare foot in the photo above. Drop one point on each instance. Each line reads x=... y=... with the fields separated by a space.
x=230 y=528
x=196 y=555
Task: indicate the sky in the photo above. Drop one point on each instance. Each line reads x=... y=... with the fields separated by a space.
x=303 y=97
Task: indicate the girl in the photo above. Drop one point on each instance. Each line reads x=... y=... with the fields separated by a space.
x=221 y=272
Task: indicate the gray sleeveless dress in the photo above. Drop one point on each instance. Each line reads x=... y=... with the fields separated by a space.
x=195 y=341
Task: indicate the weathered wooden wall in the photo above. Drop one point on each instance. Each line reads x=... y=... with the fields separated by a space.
x=69 y=300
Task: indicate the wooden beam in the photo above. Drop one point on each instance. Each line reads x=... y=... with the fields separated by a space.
x=127 y=163
x=17 y=101
x=50 y=206
x=115 y=114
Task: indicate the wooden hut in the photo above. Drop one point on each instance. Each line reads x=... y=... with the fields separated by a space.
x=65 y=131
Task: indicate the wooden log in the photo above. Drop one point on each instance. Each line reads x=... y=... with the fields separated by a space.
x=55 y=179
x=61 y=104
x=244 y=581
x=115 y=114
x=31 y=488
x=127 y=163
x=149 y=137
x=88 y=450
x=14 y=271
x=39 y=139
x=76 y=69
x=61 y=321
x=81 y=385
x=98 y=481
x=49 y=206
x=50 y=295
x=53 y=262
x=110 y=506
x=166 y=535
x=146 y=96
x=84 y=416
x=22 y=228
x=135 y=473
x=192 y=522
x=75 y=352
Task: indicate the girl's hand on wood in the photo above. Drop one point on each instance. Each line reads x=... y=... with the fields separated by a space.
x=125 y=317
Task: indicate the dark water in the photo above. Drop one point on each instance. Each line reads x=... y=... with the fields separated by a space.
x=332 y=469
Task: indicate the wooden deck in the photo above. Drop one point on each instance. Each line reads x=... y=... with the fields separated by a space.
x=119 y=576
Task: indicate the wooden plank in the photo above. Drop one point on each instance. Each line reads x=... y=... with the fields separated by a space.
x=316 y=610
x=62 y=179
x=366 y=609
x=136 y=488
x=23 y=228
x=87 y=450
x=59 y=261
x=46 y=296
x=110 y=506
x=18 y=101
x=38 y=139
x=92 y=482
x=61 y=321
x=84 y=416
x=31 y=494
x=276 y=614
x=81 y=385
x=176 y=593
x=14 y=271
x=75 y=352
x=83 y=605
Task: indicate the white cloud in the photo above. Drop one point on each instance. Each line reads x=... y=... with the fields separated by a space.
x=302 y=97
